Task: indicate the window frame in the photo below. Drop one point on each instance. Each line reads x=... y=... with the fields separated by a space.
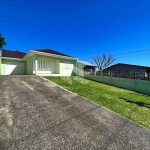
x=42 y=64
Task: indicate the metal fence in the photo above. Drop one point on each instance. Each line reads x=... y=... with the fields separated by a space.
x=129 y=75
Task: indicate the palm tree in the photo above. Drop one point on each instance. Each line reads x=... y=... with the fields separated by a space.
x=2 y=41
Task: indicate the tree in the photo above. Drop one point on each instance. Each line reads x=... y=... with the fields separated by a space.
x=2 y=41
x=103 y=61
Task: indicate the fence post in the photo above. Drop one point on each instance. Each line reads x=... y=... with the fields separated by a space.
x=134 y=75
x=110 y=73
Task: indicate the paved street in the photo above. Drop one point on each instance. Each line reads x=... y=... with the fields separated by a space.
x=38 y=114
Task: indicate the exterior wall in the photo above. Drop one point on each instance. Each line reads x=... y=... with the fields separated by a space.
x=67 y=67
x=29 y=65
x=4 y=61
x=140 y=86
x=127 y=68
x=61 y=68
x=80 y=69
x=0 y=65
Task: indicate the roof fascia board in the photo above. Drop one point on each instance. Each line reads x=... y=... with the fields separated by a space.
x=128 y=65
x=87 y=64
x=48 y=54
x=27 y=54
x=12 y=58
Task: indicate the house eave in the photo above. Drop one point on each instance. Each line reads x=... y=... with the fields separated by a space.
x=128 y=65
x=11 y=58
x=87 y=64
x=27 y=55
x=48 y=54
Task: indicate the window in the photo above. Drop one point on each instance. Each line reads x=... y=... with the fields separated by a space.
x=42 y=64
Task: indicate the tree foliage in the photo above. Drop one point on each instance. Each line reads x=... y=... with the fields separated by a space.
x=2 y=41
x=103 y=61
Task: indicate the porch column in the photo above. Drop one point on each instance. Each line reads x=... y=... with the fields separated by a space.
x=35 y=66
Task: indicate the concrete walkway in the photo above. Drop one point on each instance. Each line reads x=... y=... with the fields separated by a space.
x=38 y=114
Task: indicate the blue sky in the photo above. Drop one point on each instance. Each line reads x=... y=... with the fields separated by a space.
x=80 y=28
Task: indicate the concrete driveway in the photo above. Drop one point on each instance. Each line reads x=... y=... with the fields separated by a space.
x=38 y=114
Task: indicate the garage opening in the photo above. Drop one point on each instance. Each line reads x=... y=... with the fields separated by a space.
x=14 y=68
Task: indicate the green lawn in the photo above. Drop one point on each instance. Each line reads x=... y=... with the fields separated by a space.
x=132 y=105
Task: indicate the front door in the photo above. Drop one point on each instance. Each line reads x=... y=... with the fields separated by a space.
x=52 y=66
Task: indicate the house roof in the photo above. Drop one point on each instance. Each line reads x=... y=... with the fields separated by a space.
x=51 y=52
x=12 y=54
x=87 y=63
x=20 y=55
x=128 y=65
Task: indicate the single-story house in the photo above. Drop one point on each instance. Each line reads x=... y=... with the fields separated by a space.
x=44 y=62
x=128 y=68
x=38 y=62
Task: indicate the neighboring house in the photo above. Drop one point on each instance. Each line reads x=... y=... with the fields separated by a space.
x=85 y=68
x=128 y=68
x=43 y=62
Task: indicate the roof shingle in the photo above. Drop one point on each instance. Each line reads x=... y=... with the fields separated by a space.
x=13 y=54
x=17 y=54
x=51 y=52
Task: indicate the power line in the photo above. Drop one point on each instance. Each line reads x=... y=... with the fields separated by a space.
x=126 y=53
x=134 y=55
x=134 y=52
